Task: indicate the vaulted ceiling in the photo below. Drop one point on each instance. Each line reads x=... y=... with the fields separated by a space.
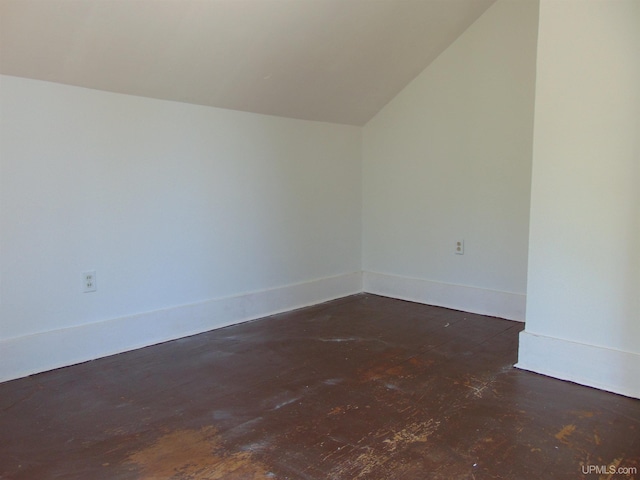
x=328 y=60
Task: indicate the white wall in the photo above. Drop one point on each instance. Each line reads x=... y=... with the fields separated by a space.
x=173 y=205
x=450 y=158
x=583 y=301
x=196 y=217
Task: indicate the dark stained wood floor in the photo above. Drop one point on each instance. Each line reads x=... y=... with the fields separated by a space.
x=359 y=388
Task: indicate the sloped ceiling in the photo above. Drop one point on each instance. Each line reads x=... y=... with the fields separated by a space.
x=329 y=60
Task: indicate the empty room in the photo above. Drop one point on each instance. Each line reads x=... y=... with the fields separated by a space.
x=319 y=239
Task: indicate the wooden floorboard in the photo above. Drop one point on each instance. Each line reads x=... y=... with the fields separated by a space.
x=363 y=387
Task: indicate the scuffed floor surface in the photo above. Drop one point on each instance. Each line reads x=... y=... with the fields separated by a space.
x=359 y=388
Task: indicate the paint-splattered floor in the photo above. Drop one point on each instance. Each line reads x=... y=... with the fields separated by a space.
x=359 y=388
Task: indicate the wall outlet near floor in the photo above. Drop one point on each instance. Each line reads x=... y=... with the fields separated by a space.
x=89 y=281
x=460 y=246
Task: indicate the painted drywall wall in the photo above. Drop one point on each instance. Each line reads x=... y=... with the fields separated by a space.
x=583 y=300
x=172 y=205
x=450 y=158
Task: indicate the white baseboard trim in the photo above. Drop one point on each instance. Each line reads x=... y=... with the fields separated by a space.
x=604 y=368
x=459 y=297
x=27 y=355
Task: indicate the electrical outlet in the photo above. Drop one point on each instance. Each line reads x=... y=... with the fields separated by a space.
x=89 y=281
x=460 y=247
